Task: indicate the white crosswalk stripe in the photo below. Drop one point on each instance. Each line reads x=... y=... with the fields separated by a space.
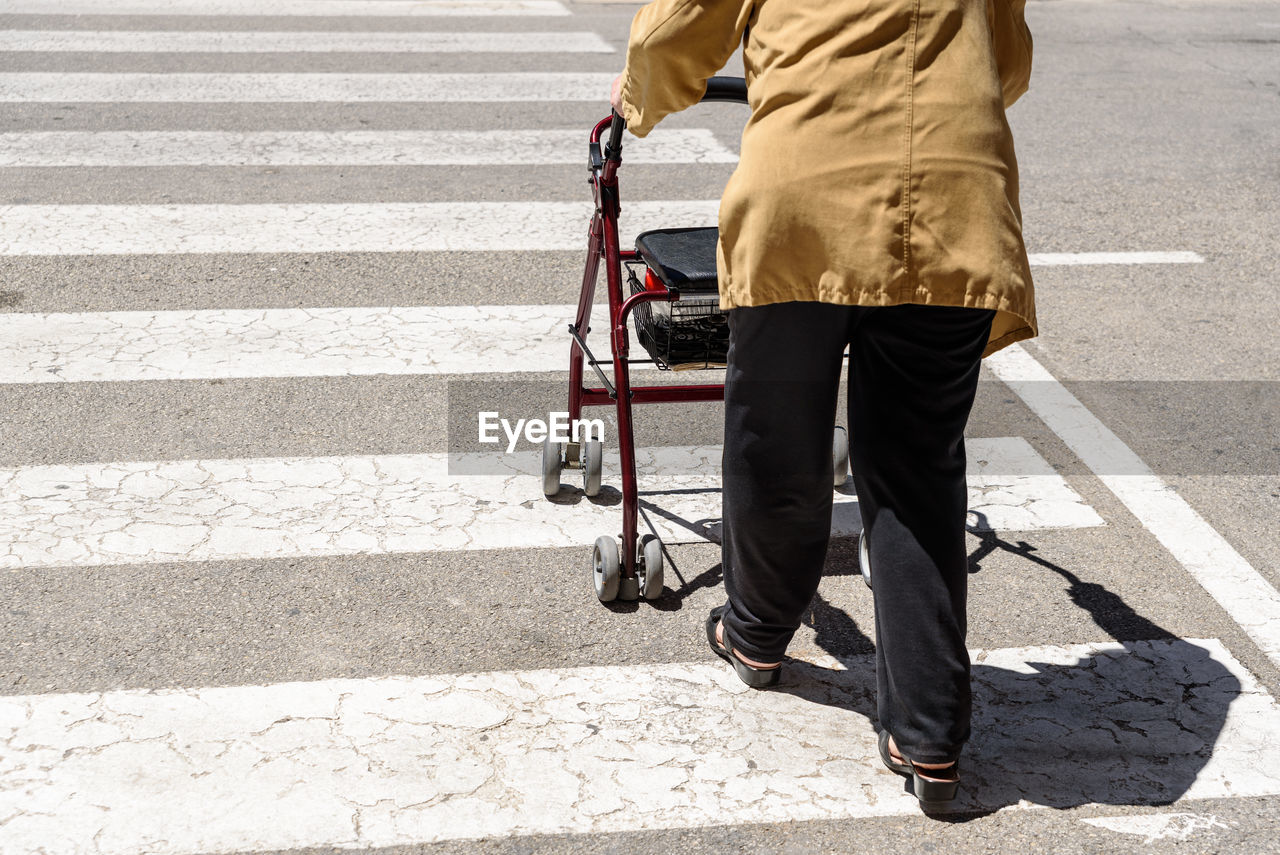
x=188 y=41
x=391 y=227
x=307 y=8
x=403 y=760
x=1061 y=259
x=387 y=227
x=248 y=88
x=124 y=346
x=342 y=148
x=207 y=510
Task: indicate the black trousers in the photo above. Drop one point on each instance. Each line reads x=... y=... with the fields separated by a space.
x=913 y=373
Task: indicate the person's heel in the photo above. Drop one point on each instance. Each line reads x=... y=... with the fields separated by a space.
x=932 y=794
x=756 y=678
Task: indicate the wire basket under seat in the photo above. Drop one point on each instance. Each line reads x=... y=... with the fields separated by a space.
x=688 y=334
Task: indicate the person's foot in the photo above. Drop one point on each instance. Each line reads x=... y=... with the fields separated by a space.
x=945 y=771
x=757 y=675
x=753 y=663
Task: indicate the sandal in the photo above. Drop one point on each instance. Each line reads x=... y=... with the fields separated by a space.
x=932 y=794
x=756 y=678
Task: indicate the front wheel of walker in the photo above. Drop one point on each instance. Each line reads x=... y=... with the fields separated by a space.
x=606 y=568
x=592 y=467
x=840 y=455
x=864 y=557
x=552 y=465
x=650 y=567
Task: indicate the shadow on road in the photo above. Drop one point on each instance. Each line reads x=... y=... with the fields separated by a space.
x=1128 y=723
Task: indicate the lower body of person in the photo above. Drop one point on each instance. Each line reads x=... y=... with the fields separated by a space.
x=913 y=373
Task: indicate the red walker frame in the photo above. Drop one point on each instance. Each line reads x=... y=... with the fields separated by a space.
x=632 y=566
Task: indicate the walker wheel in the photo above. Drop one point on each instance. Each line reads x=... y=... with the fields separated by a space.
x=864 y=557
x=840 y=455
x=650 y=567
x=552 y=464
x=592 y=464
x=606 y=569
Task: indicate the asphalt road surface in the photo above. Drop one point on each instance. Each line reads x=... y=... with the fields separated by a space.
x=262 y=264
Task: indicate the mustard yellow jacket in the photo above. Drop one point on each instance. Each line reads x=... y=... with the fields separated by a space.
x=877 y=167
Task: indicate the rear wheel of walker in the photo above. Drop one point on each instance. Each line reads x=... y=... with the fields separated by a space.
x=552 y=464
x=592 y=466
x=840 y=455
x=606 y=569
x=864 y=557
x=650 y=567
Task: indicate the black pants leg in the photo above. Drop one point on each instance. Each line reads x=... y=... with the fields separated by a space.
x=913 y=374
x=780 y=394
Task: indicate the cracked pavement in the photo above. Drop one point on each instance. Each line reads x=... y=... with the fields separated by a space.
x=262 y=228
x=340 y=148
x=212 y=510
x=417 y=759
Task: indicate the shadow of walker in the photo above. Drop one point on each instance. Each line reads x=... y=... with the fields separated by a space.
x=1145 y=720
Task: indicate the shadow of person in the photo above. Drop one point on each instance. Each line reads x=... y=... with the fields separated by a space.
x=1134 y=721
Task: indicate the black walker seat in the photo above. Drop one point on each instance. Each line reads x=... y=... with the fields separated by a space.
x=684 y=259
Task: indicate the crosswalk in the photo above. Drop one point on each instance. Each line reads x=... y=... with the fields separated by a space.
x=275 y=8
x=403 y=760
x=451 y=754
x=120 y=41
x=385 y=227
x=305 y=88
x=339 y=148
x=316 y=228
x=211 y=510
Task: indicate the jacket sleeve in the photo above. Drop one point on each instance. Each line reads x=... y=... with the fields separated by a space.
x=675 y=46
x=1012 y=41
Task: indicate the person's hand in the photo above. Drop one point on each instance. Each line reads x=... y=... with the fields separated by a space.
x=615 y=95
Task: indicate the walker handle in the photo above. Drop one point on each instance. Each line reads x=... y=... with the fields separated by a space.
x=732 y=90
x=613 y=148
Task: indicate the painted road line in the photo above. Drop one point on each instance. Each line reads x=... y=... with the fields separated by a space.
x=1013 y=488
x=287 y=8
x=98 y=87
x=250 y=343
x=383 y=227
x=1158 y=826
x=1066 y=259
x=207 y=510
x=342 y=148
x=389 y=227
x=185 y=41
x=395 y=761
x=1241 y=591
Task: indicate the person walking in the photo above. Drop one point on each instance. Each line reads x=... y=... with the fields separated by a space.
x=874 y=208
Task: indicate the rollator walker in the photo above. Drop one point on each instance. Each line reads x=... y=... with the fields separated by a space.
x=668 y=286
